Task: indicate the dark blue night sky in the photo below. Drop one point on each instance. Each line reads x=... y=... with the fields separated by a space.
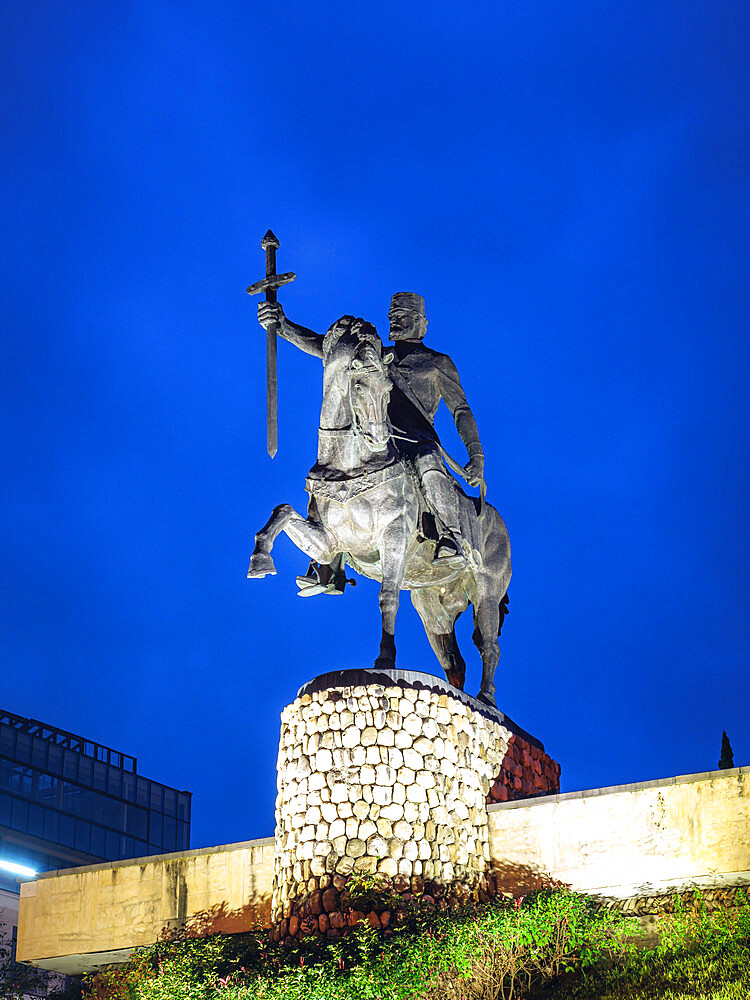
x=566 y=184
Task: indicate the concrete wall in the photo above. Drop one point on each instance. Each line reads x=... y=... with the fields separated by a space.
x=75 y=920
x=628 y=840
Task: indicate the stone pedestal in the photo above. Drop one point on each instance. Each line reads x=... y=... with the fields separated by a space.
x=388 y=773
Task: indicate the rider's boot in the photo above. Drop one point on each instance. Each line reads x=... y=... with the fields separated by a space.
x=448 y=547
x=441 y=496
x=322 y=578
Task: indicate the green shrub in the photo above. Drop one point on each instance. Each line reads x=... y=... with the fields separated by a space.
x=703 y=954
x=549 y=946
x=500 y=950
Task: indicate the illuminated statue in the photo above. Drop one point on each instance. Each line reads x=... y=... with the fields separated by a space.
x=381 y=498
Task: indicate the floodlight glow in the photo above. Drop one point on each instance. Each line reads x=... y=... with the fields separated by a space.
x=14 y=869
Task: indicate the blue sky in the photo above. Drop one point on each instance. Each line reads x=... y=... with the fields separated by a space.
x=566 y=184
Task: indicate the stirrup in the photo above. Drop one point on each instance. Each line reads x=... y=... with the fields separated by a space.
x=322 y=580
x=448 y=551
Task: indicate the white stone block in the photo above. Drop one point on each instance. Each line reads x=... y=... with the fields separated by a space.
x=352 y=827
x=384 y=775
x=351 y=737
x=361 y=809
x=413 y=724
x=392 y=811
x=339 y=793
x=383 y=796
x=386 y=738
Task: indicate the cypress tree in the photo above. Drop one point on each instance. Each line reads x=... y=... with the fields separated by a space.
x=727 y=757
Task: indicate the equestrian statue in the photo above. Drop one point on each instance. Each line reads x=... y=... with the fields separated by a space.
x=381 y=498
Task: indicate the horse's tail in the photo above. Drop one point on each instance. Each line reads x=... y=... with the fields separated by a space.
x=503 y=609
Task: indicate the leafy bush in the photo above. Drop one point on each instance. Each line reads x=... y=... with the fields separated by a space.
x=501 y=950
x=703 y=954
x=548 y=946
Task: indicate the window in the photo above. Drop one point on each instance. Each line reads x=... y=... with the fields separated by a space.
x=183 y=837
x=142 y=795
x=67 y=831
x=113 y=845
x=86 y=771
x=20 y=780
x=83 y=836
x=98 y=841
x=71 y=800
x=111 y=812
x=170 y=801
x=183 y=806
x=39 y=752
x=100 y=776
x=114 y=781
x=20 y=815
x=46 y=789
x=170 y=834
x=36 y=820
x=157 y=828
x=51 y=825
x=7 y=741
x=128 y=786
x=55 y=759
x=23 y=747
x=136 y=822
x=70 y=764
x=156 y=797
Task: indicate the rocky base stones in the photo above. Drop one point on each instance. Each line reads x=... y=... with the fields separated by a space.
x=389 y=782
x=526 y=771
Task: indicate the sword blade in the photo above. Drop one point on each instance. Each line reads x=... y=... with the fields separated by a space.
x=272 y=423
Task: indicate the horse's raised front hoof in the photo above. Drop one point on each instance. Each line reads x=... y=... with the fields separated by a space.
x=261 y=564
x=488 y=698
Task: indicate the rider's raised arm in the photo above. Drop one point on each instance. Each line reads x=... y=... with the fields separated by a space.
x=307 y=340
x=455 y=399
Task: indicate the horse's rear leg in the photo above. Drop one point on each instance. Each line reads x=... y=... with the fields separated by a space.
x=486 y=628
x=439 y=625
x=307 y=535
x=392 y=560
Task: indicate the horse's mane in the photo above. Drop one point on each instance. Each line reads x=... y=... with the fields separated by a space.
x=354 y=329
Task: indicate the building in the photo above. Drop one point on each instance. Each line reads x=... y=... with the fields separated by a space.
x=66 y=801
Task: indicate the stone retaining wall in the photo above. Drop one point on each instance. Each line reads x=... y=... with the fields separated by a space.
x=391 y=779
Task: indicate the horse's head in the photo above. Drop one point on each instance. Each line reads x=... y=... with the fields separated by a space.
x=369 y=389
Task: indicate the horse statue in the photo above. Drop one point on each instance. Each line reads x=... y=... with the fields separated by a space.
x=366 y=509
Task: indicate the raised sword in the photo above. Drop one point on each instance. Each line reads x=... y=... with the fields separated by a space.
x=269 y=284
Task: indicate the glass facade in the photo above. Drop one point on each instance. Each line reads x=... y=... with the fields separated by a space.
x=79 y=801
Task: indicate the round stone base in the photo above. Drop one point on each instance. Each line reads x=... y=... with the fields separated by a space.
x=383 y=783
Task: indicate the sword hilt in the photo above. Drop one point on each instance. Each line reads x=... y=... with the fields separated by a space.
x=273 y=281
x=270 y=244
